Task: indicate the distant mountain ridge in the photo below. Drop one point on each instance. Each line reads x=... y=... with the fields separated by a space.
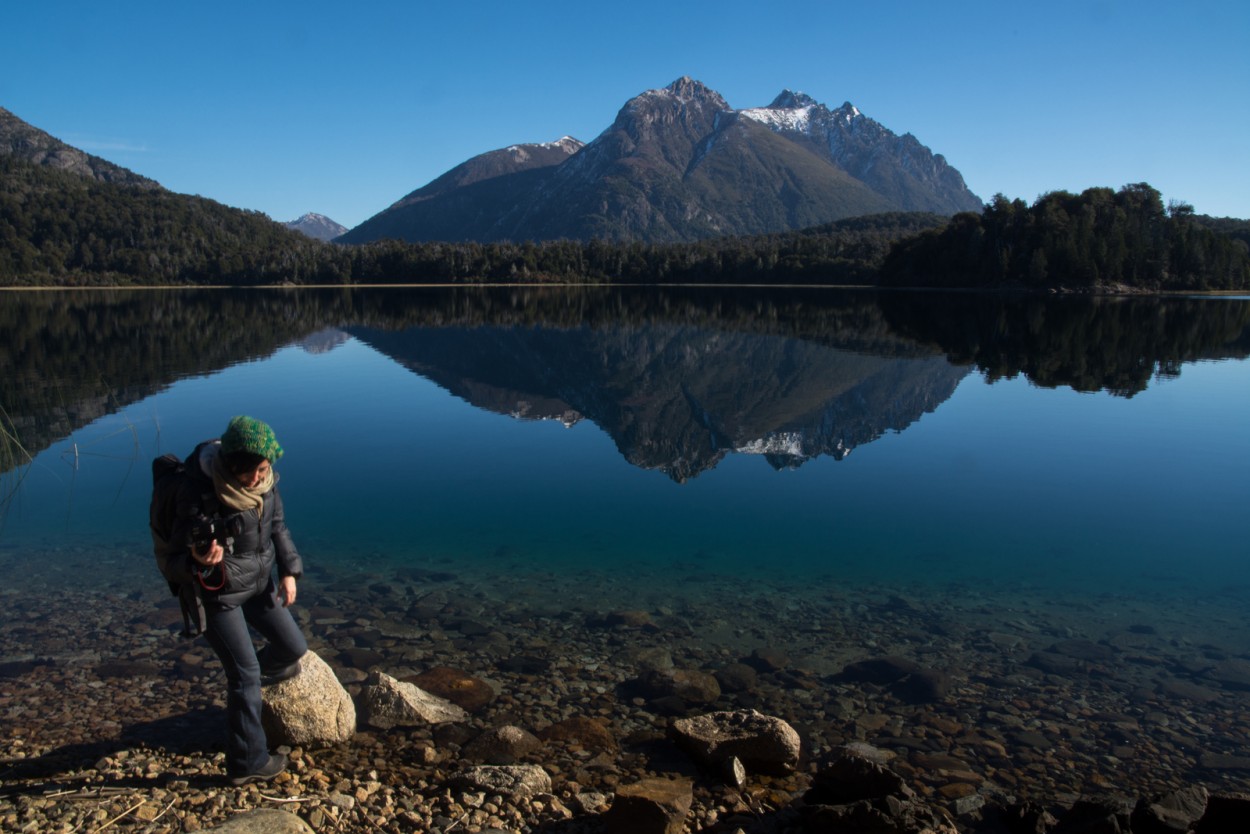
x=317 y=226
x=679 y=164
x=29 y=143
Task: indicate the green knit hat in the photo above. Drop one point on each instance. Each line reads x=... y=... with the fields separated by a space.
x=247 y=434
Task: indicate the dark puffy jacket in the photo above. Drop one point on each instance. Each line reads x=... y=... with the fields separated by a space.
x=262 y=542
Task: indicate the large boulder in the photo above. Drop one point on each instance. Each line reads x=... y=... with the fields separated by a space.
x=386 y=703
x=308 y=709
x=764 y=744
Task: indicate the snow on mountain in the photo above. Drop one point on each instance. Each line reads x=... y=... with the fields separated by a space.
x=796 y=119
x=317 y=226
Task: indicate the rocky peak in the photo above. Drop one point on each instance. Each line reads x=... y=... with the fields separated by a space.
x=683 y=94
x=687 y=88
x=789 y=100
x=665 y=124
x=848 y=112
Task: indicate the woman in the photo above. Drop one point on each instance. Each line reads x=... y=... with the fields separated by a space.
x=229 y=515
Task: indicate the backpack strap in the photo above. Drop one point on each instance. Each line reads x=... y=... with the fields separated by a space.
x=192 y=604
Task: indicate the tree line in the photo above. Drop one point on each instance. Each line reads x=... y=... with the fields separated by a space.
x=57 y=228
x=1098 y=239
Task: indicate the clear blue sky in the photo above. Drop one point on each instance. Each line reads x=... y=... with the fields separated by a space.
x=342 y=108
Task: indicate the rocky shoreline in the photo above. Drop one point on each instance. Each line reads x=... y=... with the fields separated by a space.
x=992 y=713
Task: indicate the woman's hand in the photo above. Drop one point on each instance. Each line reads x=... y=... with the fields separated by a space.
x=212 y=556
x=286 y=590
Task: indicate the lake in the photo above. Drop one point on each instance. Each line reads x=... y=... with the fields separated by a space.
x=1024 y=492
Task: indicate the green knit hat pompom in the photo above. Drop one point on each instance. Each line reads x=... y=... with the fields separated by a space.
x=247 y=434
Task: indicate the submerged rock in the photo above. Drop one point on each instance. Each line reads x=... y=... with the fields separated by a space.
x=470 y=693
x=502 y=746
x=518 y=781
x=386 y=703
x=764 y=744
x=1232 y=674
x=591 y=733
x=907 y=680
x=878 y=670
x=924 y=686
x=692 y=687
x=650 y=806
x=737 y=677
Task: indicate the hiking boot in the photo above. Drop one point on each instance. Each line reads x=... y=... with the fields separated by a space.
x=275 y=765
x=268 y=677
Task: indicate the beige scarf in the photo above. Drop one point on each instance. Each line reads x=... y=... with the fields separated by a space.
x=236 y=496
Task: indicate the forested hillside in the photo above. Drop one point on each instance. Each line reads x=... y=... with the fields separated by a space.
x=58 y=228
x=1099 y=239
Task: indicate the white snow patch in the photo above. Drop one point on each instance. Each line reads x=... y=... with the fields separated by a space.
x=794 y=119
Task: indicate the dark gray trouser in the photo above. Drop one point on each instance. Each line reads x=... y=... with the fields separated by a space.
x=247 y=750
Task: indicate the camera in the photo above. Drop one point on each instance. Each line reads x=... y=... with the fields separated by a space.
x=206 y=530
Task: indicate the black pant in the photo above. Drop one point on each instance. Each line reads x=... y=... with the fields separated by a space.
x=247 y=750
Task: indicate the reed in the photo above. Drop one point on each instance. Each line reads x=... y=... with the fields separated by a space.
x=14 y=460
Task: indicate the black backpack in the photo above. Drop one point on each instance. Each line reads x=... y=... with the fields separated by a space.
x=169 y=474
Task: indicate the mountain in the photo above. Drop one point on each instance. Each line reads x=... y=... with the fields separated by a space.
x=30 y=144
x=317 y=226
x=452 y=207
x=680 y=164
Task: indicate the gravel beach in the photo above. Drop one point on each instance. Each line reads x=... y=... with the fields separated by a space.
x=977 y=697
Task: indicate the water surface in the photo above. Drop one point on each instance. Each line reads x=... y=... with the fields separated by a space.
x=1067 y=444
x=1043 y=500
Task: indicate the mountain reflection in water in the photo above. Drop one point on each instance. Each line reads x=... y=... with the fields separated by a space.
x=680 y=398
